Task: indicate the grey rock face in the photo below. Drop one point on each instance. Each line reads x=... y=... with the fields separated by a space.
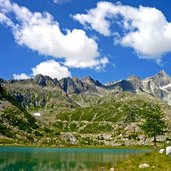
x=69 y=86
x=43 y=80
x=91 y=82
x=136 y=83
x=158 y=85
x=132 y=84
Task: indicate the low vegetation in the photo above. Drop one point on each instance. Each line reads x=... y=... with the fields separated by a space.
x=156 y=161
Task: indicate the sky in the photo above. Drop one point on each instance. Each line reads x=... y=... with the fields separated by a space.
x=107 y=40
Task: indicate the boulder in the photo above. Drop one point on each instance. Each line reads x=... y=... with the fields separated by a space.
x=69 y=137
x=168 y=151
x=112 y=169
x=161 y=151
x=144 y=165
x=37 y=114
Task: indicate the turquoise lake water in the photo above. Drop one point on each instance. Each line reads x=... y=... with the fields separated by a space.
x=61 y=159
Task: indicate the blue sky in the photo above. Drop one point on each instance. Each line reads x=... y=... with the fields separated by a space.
x=108 y=40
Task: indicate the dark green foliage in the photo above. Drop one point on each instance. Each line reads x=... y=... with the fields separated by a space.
x=153 y=123
x=6 y=131
x=47 y=130
x=38 y=133
x=12 y=100
x=73 y=127
x=17 y=119
x=30 y=138
x=31 y=121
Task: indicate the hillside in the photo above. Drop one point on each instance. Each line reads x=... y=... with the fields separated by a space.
x=43 y=110
x=17 y=126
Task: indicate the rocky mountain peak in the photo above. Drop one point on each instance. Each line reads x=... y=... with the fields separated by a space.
x=43 y=80
x=161 y=79
x=90 y=81
x=162 y=73
x=134 y=78
x=68 y=85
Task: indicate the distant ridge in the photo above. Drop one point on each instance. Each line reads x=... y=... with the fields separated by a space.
x=158 y=85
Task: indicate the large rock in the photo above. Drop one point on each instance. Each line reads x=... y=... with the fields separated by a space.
x=144 y=165
x=161 y=151
x=168 y=151
x=69 y=138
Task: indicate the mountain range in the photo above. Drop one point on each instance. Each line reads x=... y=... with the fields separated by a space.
x=83 y=110
x=158 y=86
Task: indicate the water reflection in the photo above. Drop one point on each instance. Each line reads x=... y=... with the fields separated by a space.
x=44 y=159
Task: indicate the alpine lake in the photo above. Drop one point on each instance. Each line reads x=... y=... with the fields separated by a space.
x=63 y=159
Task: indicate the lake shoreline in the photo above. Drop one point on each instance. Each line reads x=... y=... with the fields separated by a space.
x=98 y=147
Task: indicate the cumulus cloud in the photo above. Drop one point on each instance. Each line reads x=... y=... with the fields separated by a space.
x=52 y=69
x=21 y=76
x=49 y=68
x=41 y=33
x=5 y=20
x=145 y=29
x=60 y=1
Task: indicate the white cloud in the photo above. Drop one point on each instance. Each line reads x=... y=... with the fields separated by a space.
x=145 y=29
x=49 y=68
x=52 y=69
x=42 y=33
x=60 y=1
x=96 y=18
x=5 y=20
x=104 y=61
x=22 y=76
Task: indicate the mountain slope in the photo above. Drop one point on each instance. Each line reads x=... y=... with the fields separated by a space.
x=85 y=111
x=15 y=122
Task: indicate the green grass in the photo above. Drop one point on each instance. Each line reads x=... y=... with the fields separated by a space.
x=157 y=162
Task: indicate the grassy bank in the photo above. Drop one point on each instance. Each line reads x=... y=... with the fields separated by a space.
x=157 y=162
x=10 y=143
